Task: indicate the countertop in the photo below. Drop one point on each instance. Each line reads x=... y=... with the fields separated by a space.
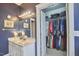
x=21 y=42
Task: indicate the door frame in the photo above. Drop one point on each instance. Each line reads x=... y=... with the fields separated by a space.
x=69 y=21
x=70 y=33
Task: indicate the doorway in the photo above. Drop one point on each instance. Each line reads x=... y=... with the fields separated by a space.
x=55 y=43
x=41 y=10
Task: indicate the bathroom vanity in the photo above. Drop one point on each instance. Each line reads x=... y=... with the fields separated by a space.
x=21 y=47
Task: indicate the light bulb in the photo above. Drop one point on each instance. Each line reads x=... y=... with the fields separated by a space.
x=29 y=12
x=32 y=14
x=26 y=13
x=8 y=16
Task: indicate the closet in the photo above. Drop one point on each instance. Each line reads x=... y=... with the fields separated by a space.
x=53 y=31
x=56 y=29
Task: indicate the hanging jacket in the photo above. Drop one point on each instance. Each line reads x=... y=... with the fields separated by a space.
x=62 y=32
x=50 y=34
x=55 y=31
x=58 y=35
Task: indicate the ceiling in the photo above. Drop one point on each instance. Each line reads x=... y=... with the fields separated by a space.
x=22 y=7
x=15 y=10
x=27 y=7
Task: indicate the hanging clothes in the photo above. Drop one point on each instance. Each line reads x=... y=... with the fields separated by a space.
x=50 y=34
x=57 y=31
x=63 y=32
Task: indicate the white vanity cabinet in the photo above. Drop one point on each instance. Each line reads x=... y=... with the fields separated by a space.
x=16 y=49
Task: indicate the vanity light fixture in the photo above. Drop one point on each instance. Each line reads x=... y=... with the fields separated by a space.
x=27 y=14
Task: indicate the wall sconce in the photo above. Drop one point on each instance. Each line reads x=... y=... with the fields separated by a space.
x=8 y=16
x=13 y=18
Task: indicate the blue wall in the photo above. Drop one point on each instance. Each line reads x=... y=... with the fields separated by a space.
x=3 y=42
x=76 y=16
x=19 y=26
x=76 y=27
x=5 y=9
x=11 y=9
x=76 y=45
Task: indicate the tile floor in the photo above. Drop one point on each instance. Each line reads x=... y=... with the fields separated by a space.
x=52 y=52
